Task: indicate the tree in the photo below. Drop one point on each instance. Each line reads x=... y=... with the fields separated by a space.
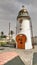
x=2 y=34
x=11 y=32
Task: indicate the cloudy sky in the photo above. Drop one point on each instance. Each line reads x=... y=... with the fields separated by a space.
x=9 y=10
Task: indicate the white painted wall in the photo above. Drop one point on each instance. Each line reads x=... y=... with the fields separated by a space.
x=27 y=31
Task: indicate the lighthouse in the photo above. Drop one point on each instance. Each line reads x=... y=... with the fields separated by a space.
x=23 y=32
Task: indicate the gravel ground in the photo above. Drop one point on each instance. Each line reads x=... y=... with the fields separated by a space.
x=25 y=55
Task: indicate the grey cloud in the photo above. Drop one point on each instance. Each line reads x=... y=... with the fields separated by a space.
x=25 y=1
x=9 y=10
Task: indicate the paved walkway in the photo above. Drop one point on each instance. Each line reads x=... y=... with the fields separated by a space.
x=25 y=55
x=7 y=56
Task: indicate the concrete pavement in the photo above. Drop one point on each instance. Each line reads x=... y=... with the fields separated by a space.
x=25 y=55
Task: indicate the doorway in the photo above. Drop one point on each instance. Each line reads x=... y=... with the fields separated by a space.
x=21 y=39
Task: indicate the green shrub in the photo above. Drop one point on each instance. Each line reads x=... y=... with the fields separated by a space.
x=3 y=43
x=0 y=43
x=13 y=41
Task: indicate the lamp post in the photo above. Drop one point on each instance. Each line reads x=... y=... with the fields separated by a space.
x=9 y=32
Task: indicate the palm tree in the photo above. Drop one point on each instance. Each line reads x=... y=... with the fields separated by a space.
x=2 y=34
x=11 y=32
